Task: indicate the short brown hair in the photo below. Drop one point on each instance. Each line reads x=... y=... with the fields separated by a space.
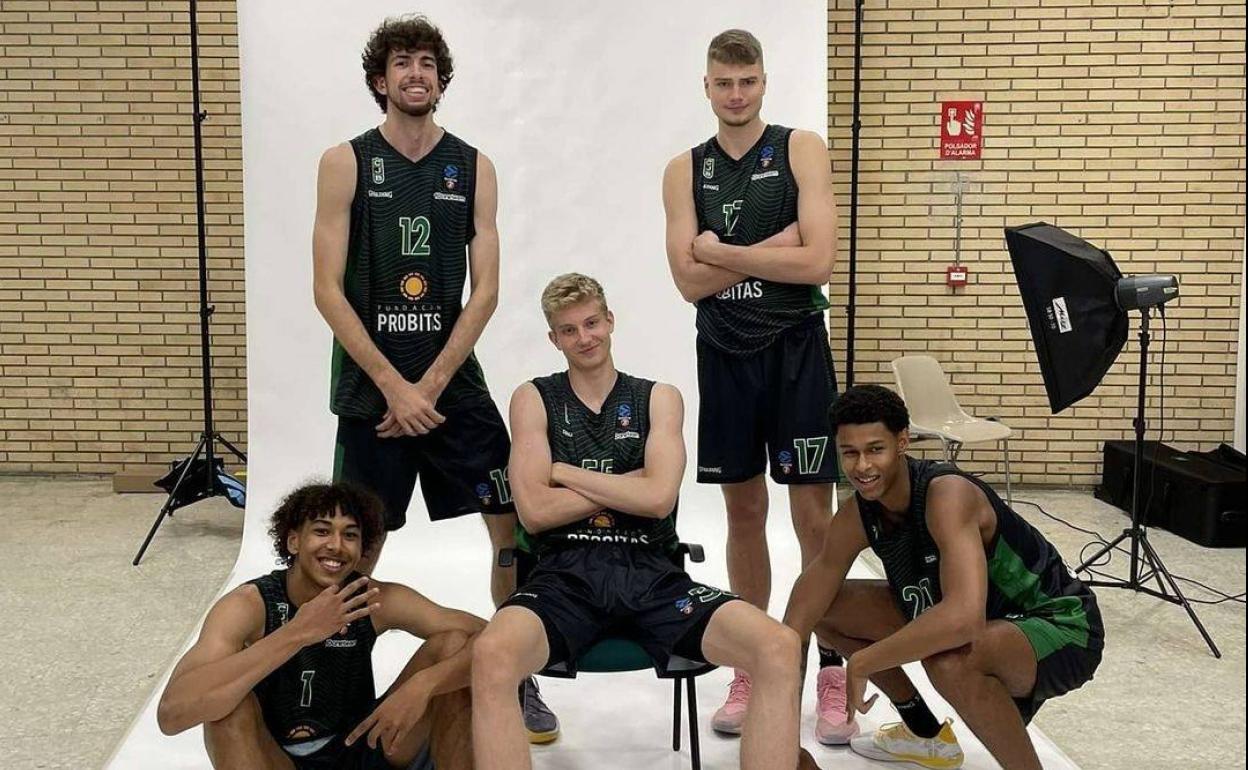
x=570 y=289
x=312 y=500
x=735 y=46
x=405 y=33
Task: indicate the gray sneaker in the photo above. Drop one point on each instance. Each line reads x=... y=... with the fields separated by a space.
x=540 y=722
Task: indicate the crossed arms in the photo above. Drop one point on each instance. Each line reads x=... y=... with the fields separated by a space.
x=702 y=266
x=550 y=494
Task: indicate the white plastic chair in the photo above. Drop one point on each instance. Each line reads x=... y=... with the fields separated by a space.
x=936 y=414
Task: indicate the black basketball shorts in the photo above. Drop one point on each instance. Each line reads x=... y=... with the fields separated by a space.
x=771 y=405
x=461 y=464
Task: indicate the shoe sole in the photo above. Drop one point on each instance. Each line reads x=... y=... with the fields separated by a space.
x=539 y=739
x=732 y=731
x=835 y=740
x=878 y=754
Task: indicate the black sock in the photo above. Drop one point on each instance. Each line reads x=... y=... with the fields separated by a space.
x=829 y=657
x=918 y=717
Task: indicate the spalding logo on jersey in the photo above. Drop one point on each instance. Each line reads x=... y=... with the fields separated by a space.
x=379 y=171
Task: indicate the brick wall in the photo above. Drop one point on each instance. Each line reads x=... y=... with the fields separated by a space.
x=1120 y=121
x=99 y=344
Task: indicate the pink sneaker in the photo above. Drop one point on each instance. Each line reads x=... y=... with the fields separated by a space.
x=831 y=729
x=730 y=716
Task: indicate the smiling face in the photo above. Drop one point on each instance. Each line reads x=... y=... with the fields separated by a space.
x=410 y=83
x=735 y=91
x=582 y=332
x=326 y=549
x=872 y=457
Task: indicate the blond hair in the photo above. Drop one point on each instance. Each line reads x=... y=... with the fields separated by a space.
x=570 y=289
x=735 y=46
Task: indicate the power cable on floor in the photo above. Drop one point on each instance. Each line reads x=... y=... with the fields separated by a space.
x=1239 y=598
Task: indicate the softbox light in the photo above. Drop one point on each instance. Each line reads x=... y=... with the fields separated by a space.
x=1068 y=288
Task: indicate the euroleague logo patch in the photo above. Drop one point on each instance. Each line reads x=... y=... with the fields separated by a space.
x=483 y=493
x=766 y=156
x=624 y=416
x=685 y=605
x=785 y=458
x=450 y=177
x=414 y=286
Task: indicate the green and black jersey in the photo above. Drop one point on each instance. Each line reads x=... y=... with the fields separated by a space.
x=745 y=201
x=1027 y=582
x=407 y=259
x=612 y=440
x=326 y=689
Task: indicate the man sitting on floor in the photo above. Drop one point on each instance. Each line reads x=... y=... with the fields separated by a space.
x=282 y=675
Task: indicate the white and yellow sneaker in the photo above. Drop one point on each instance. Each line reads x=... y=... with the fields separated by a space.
x=894 y=742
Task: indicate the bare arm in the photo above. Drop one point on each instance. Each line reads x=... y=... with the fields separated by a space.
x=820 y=582
x=483 y=277
x=335 y=187
x=408 y=610
x=221 y=669
x=539 y=504
x=953 y=520
x=694 y=279
x=812 y=261
x=651 y=493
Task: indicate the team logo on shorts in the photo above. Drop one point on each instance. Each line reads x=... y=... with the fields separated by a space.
x=785 y=458
x=624 y=415
x=601 y=520
x=414 y=286
x=379 y=171
x=708 y=168
x=450 y=177
x=483 y=493
x=685 y=605
x=766 y=156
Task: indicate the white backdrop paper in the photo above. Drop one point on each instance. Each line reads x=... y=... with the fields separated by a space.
x=580 y=105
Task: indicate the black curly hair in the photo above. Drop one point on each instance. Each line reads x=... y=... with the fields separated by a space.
x=318 y=499
x=405 y=33
x=865 y=404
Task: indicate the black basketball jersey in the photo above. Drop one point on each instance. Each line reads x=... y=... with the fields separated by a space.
x=1026 y=576
x=745 y=201
x=411 y=222
x=326 y=689
x=612 y=440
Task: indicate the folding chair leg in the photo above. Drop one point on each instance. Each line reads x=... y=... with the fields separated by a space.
x=694 y=750
x=676 y=715
x=1009 y=490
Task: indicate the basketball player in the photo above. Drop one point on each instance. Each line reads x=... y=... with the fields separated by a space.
x=751 y=237
x=973 y=591
x=282 y=675
x=404 y=213
x=596 y=467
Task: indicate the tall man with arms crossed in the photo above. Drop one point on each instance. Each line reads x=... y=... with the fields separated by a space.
x=282 y=676
x=973 y=591
x=596 y=467
x=403 y=211
x=751 y=238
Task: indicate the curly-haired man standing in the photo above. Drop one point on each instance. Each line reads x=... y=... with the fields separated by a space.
x=405 y=214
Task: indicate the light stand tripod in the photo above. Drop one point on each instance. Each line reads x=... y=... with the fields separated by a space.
x=1137 y=533
x=209 y=485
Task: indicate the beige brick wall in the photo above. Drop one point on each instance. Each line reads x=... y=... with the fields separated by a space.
x=1123 y=122
x=1120 y=121
x=99 y=343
